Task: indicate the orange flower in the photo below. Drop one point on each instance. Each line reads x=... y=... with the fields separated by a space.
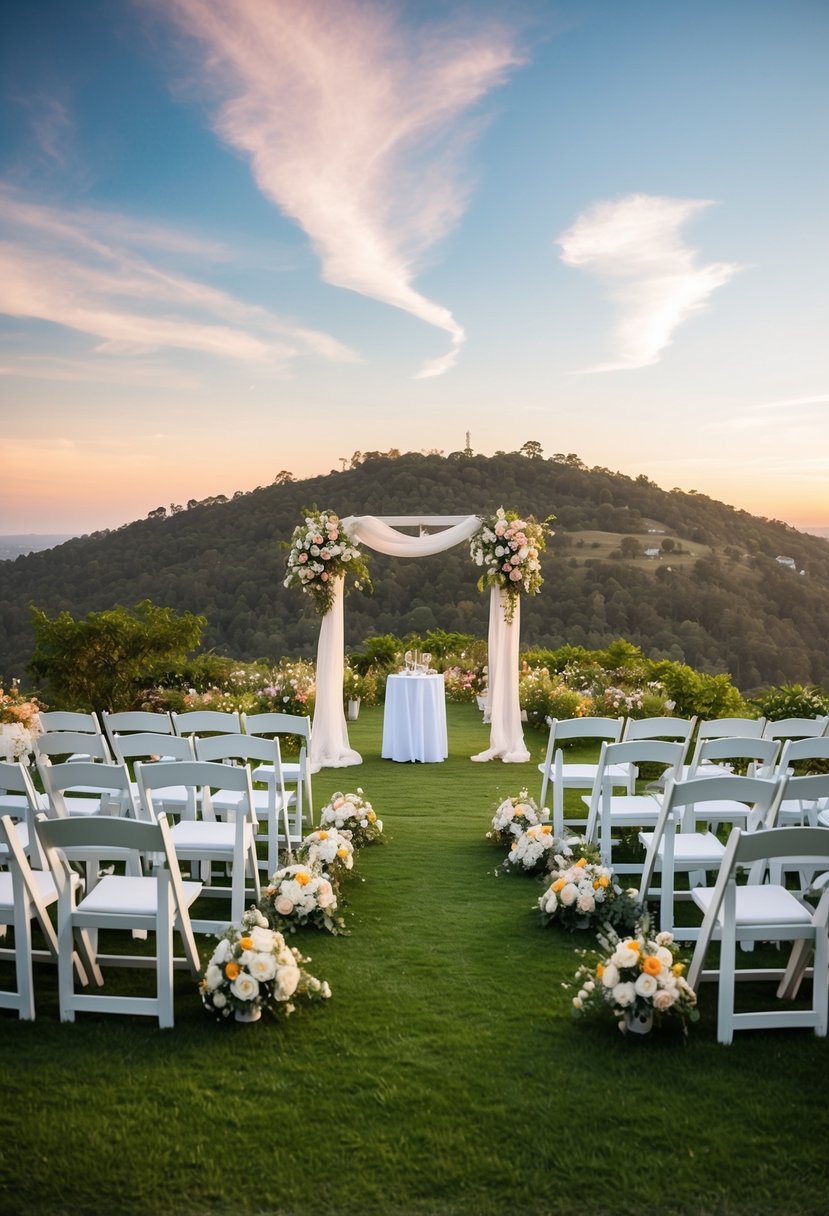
x=604 y=881
x=303 y=878
x=546 y=830
x=678 y=968
x=246 y=943
x=323 y=835
x=558 y=884
x=633 y=945
x=371 y=816
x=651 y=965
x=231 y=970
x=582 y=861
x=600 y=970
x=342 y=851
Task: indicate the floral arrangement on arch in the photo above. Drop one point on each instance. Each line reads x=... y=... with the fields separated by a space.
x=640 y=979
x=353 y=814
x=583 y=892
x=320 y=553
x=20 y=716
x=253 y=968
x=300 y=895
x=508 y=548
x=330 y=850
x=514 y=816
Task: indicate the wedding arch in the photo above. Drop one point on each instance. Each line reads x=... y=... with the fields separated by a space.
x=328 y=547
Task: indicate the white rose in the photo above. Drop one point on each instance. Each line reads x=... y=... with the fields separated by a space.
x=263 y=967
x=325 y=990
x=624 y=994
x=624 y=956
x=569 y=894
x=586 y=902
x=245 y=987
x=219 y=1000
x=663 y=1000
x=665 y=957
x=214 y=976
x=222 y=952
x=610 y=977
x=285 y=981
x=645 y=985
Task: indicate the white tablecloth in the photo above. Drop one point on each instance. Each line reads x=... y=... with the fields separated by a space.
x=414 y=722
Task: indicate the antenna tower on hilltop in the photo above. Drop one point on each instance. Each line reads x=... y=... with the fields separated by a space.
x=467 y=451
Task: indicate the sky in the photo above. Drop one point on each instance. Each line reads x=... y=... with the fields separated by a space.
x=263 y=235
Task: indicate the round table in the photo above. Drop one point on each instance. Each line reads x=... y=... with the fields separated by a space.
x=414 y=721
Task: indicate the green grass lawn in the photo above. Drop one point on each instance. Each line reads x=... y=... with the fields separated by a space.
x=446 y=1074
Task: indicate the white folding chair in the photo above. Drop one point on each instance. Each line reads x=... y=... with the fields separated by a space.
x=719 y=757
x=122 y=902
x=671 y=851
x=134 y=721
x=150 y=748
x=609 y=812
x=52 y=720
x=26 y=891
x=83 y=787
x=571 y=776
x=798 y=810
x=294 y=773
x=19 y=798
x=719 y=728
x=206 y=722
x=797 y=728
x=804 y=800
x=763 y=913
x=200 y=836
x=272 y=803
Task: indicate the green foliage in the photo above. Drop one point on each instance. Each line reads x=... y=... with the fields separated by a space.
x=103 y=660
x=791 y=701
x=694 y=692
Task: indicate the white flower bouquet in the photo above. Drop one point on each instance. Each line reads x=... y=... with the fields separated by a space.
x=508 y=549
x=640 y=979
x=532 y=852
x=299 y=895
x=330 y=850
x=582 y=893
x=320 y=552
x=252 y=968
x=353 y=813
x=514 y=816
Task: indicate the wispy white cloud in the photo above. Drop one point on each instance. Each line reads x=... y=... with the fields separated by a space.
x=81 y=271
x=800 y=412
x=634 y=247
x=354 y=126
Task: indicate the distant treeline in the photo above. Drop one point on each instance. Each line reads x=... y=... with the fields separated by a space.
x=735 y=609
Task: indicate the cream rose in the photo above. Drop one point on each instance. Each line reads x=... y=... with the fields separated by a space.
x=245 y=987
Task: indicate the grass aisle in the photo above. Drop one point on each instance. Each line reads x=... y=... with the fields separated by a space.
x=446 y=1075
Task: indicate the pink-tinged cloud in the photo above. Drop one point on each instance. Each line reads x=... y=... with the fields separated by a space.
x=78 y=269
x=634 y=247
x=354 y=126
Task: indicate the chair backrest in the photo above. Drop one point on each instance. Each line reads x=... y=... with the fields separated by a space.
x=757 y=751
x=131 y=721
x=567 y=729
x=796 y=728
x=144 y=746
x=71 y=743
x=724 y=728
x=278 y=724
x=240 y=747
x=658 y=728
x=200 y=777
x=641 y=751
x=62 y=719
x=797 y=751
x=110 y=781
x=206 y=721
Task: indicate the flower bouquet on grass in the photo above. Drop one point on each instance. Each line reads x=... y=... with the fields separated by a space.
x=532 y=852
x=582 y=893
x=640 y=979
x=330 y=850
x=252 y=968
x=298 y=896
x=353 y=813
x=320 y=553
x=514 y=816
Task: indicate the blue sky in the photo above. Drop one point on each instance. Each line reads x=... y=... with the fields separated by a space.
x=262 y=235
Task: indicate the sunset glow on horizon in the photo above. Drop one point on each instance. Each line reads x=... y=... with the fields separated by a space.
x=261 y=236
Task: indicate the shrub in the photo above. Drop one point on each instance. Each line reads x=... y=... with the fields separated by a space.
x=791 y=701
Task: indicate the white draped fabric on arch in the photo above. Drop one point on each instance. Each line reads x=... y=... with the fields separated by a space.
x=330 y=747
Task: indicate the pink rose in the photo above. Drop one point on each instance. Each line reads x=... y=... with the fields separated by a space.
x=663 y=999
x=284 y=906
x=506 y=567
x=303 y=557
x=324 y=576
x=317 y=540
x=333 y=534
x=515 y=575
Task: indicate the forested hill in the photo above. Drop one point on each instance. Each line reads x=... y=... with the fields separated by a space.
x=712 y=593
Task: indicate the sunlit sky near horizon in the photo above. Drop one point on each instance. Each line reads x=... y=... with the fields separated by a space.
x=260 y=235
